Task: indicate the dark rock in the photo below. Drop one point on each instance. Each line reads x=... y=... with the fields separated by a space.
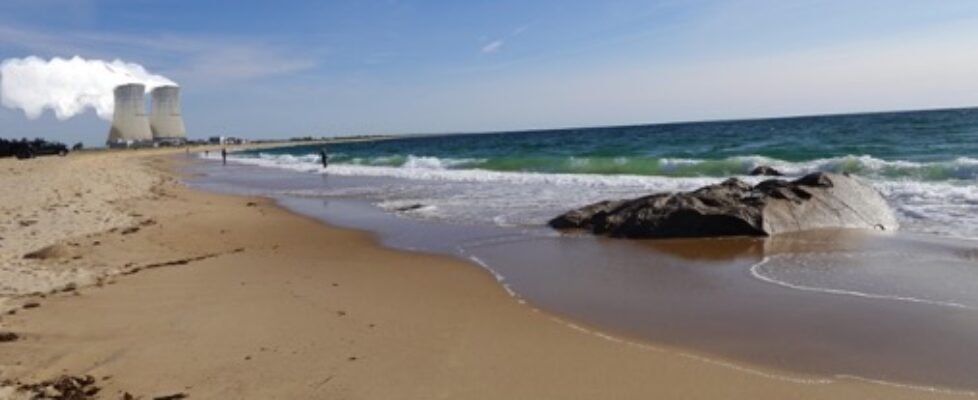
x=410 y=207
x=8 y=337
x=65 y=387
x=130 y=230
x=32 y=304
x=48 y=253
x=175 y=396
x=735 y=208
x=764 y=170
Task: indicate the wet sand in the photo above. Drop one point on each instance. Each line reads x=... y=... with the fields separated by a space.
x=233 y=297
x=844 y=304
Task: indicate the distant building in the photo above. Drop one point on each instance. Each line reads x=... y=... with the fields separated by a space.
x=129 y=124
x=225 y=140
x=165 y=119
x=132 y=128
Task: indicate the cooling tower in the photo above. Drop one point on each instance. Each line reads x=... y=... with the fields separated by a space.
x=129 y=123
x=165 y=119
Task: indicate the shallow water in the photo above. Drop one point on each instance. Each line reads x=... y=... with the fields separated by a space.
x=923 y=162
x=899 y=308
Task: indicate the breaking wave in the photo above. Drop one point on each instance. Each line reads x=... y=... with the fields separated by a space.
x=923 y=203
x=962 y=168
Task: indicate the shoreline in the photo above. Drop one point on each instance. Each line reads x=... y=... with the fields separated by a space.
x=705 y=296
x=311 y=310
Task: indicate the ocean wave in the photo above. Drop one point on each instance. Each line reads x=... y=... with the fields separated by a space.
x=946 y=207
x=962 y=168
x=765 y=272
x=430 y=171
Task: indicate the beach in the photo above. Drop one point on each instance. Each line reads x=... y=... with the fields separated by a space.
x=220 y=296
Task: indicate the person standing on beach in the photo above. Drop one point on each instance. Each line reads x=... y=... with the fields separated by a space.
x=324 y=157
x=224 y=155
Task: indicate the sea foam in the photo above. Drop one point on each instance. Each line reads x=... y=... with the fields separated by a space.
x=946 y=207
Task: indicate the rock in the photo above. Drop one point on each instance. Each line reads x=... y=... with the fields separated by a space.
x=764 y=170
x=735 y=208
x=411 y=207
x=49 y=252
x=175 y=396
x=66 y=387
x=31 y=305
x=8 y=337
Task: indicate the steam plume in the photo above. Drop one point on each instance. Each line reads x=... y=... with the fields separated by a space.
x=68 y=86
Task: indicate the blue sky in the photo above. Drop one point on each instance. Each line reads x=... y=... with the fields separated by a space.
x=288 y=68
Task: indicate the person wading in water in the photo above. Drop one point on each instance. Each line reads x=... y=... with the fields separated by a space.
x=324 y=157
x=224 y=155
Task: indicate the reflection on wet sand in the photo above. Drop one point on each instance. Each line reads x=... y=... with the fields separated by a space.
x=701 y=295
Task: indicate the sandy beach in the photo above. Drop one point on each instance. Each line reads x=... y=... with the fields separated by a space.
x=155 y=290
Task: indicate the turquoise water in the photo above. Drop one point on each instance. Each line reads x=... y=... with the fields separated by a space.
x=487 y=197
x=924 y=145
x=924 y=163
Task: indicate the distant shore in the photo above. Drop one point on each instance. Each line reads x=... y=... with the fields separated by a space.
x=156 y=289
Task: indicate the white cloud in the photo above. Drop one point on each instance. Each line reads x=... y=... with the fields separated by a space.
x=197 y=59
x=492 y=46
x=68 y=86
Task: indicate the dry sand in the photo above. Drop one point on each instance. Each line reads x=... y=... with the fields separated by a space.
x=230 y=297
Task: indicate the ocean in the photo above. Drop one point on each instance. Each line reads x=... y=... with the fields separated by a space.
x=924 y=162
x=813 y=307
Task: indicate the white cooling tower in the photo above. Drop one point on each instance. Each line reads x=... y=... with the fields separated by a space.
x=164 y=118
x=129 y=123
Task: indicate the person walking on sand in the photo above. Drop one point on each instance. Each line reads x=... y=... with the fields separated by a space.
x=323 y=157
x=224 y=155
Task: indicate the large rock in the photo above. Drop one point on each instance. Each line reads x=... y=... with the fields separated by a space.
x=735 y=208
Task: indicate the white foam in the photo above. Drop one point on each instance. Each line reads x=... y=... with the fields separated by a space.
x=755 y=270
x=524 y=198
x=499 y=278
x=425 y=169
x=959 y=168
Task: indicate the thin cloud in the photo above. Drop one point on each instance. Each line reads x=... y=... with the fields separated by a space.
x=519 y=31
x=495 y=45
x=492 y=46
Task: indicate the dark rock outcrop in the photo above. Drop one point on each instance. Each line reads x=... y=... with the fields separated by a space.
x=50 y=252
x=735 y=208
x=764 y=170
x=65 y=387
x=8 y=337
